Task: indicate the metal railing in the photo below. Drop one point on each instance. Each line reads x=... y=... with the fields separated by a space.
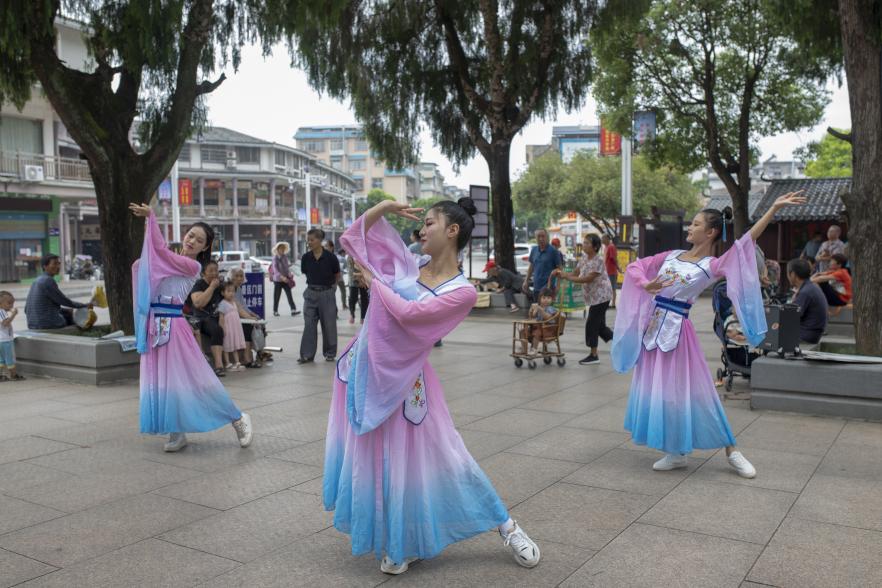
x=16 y=165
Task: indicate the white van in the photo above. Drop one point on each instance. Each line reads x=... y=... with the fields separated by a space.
x=228 y=260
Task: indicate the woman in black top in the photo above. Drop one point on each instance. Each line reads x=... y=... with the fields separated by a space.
x=203 y=301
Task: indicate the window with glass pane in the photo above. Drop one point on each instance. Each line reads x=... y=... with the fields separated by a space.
x=377 y=183
x=214 y=154
x=248 y=154
x=314 y=146
x=184 y=155
x=280 y=158
x=336 y=144
x=356 y=164
x=21 y=135
x=361 y=145
x=337 y=162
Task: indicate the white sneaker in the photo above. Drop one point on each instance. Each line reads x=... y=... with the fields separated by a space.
x=387 y=566
x=243 y=430
x=744 y=468
x=237 y=367
x=670 y=462
x=176 y=442
x=525 y=551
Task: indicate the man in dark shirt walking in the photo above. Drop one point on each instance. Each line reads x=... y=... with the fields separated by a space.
x=322 y=271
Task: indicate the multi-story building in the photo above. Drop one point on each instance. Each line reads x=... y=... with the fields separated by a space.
x=454 y=192
x=47 y=199
x=569 y=140
x=431 y=180
x=761 y=175
x=254 y=192
x=344 y=147
x=534 y=152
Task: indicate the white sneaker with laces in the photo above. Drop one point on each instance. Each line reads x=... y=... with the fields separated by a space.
x=744 y=468
x=176 y=442
x=670 y=462
x=387 y=566
x=243 y=430
x=525 y=551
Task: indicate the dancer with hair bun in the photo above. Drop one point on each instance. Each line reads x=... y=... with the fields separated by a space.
x=397 y=473
x=180 y=392
x=673 y=405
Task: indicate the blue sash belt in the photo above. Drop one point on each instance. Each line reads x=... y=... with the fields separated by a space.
x=678 y=306
x=167 y=310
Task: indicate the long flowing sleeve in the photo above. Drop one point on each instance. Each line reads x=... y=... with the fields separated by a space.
x=738 y=266
x=157 y=261
x=398 y=331
x=633 y=310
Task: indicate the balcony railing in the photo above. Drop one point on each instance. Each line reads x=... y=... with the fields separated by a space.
x=16 y=165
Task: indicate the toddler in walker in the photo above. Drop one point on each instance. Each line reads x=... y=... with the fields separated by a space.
x=542 y=311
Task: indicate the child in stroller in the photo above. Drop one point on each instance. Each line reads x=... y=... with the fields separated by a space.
x=737 y=355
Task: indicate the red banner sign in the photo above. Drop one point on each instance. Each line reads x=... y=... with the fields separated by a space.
x=610 y=142
x=185 y=192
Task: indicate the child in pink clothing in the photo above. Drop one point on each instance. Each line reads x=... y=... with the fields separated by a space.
x=234 y=335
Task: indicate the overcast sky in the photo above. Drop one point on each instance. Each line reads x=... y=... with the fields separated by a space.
x=270 y=100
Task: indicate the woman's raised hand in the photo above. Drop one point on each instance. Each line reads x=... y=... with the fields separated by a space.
x=657 y=285
x=140 y=210
x=790 y=199
x=403 y=210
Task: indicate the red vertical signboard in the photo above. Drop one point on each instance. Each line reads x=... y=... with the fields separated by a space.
x=610 y=142
x=314 y=216
x=185 y=192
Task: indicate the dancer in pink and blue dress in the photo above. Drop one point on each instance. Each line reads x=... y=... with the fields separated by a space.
x=180 y=392
x=397 y=474
x=673 y=404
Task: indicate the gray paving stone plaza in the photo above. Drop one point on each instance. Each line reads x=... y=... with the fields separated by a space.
x=85 y=500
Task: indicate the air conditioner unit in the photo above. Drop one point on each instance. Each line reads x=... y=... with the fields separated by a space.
x=33 y=173
x=231 y=160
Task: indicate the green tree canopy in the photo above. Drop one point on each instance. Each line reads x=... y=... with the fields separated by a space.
x=153 y=64
x=718 y=75
x=473 y=72
x=592 y=186
x=828 y=158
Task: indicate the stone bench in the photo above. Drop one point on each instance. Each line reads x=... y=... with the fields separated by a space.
x=841 y=325
x=80 y=359
x=851 y=390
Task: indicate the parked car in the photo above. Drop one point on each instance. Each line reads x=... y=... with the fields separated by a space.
x=522 y=257
x=228 y=260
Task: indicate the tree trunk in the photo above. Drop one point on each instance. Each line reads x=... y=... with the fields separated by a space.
x=863 y=68
x=740 y=217
x=501 y=209
x=121 y=235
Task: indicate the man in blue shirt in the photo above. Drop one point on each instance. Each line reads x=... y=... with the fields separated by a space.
x=544 y=259
x=46 y=307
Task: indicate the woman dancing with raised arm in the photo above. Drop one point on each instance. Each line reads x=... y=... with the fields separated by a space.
x=397 y=474
x=673 y=405
x=180 y=392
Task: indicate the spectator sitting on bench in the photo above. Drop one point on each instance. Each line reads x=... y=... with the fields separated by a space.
x=509 y=283
x=835 y=283
x=809 y=298
x=46 y=306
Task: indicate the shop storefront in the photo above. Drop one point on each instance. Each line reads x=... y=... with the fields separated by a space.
x=28 y=230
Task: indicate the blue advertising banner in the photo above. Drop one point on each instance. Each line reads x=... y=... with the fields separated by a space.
x=164 y=193
x=253 y=291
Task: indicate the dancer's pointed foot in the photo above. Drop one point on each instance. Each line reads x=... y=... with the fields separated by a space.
x=670 y=462
x=176 y=442
x=243 y=430
x=387 y=566
x=524 y=549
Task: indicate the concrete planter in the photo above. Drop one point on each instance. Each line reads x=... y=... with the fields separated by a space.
x=851 y=390
x=79 y=359
x=841 y=325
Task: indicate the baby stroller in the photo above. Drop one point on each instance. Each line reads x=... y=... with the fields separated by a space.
x=736 y=356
